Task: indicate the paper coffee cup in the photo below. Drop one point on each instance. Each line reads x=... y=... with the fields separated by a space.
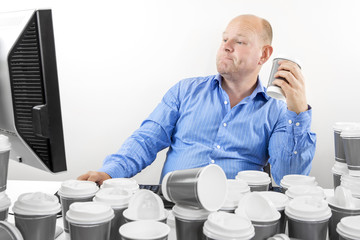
x=5 y=147
x=348 y=228
x=338 y=142
x=352 y=183
x=257 y=180
x=189 y=222
x=9 y=232
x=35 y=215
x=5 y=203
x=235 y=191
x=123 y=183
x=305 y=190
x=75 y=191
x=228 y=226
x=144 y=229
x=338 y=170
x=118 y=199
x=89 y=220
x=296 y=179
x=198 y=187
x=308 y=217
x=351 y=141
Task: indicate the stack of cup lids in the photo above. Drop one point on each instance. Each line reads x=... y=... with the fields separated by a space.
x=348 y=227
x=145 y=205
x=257 y=180
x=123 y=183
x=352 y=183
x=236 y=189
x=115 y=197
x=222 y=225
x=305 y=190
x=295 y=179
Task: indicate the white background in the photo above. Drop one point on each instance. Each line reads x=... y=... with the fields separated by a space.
x=116 y=59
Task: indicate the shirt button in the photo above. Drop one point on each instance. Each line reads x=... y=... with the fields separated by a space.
x=290 y=122
x=297 y=124
x=225 y=102
x=224 y=124
x=218 y=146
x=212 y=161
x=295 y=152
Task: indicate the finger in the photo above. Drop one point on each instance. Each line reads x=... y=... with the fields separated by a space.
x=291 y=67
x=94 y=177
x=83 y=177
x=283 y=85
x=289 y=77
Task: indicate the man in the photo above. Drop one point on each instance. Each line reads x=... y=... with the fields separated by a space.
x=225 y=119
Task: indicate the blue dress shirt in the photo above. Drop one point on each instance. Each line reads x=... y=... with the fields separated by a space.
x=195 y=120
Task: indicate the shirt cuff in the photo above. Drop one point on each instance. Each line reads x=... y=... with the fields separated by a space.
x=113 y=170
x=299 y=123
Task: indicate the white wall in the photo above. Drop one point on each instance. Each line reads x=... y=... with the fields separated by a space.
x=116 y=59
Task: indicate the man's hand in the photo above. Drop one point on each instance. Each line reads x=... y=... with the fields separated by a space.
x=294 y=88
x=98 y=177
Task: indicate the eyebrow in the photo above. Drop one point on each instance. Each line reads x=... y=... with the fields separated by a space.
x=239 y=35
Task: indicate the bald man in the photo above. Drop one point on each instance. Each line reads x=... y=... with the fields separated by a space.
x=225 y=119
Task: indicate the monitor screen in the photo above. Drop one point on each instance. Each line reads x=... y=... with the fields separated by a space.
x=30 y=113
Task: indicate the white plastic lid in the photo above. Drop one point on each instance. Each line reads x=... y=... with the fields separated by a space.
x=297 y=179
x=339 y=126
x=307 y=208
x=254 y=178
x=145 y=205
x=36 y=203
x=5 y=201
x=236 y=189
x=352 y=183
x=190 y=213
x=349 y=227
x=228 y=226
x=11 y=230
x=124 y=183
x=115 y=197
x=351 y=132
x=340 y=168
x=257 y=208
x=78 y=189
x=5 y=144
x=144 y=230
x=305 y=190
x=279 y=200
x=89 y=213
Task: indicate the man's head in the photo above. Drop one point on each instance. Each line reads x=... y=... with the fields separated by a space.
x=246 y=46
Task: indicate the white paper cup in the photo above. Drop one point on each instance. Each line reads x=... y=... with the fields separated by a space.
x=35 y=215
x=5 y=147
x=236 y=189
x=144 y=230
x=89 y=220
x=198 y=187
x=5 y=203
x=123 y=183
x=8 y=231
x=257 y=180
x=348 y=228
x=228 y=226
x=351 y=142
x=296 y=179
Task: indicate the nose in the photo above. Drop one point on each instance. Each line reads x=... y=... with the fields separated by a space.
x=228 y=46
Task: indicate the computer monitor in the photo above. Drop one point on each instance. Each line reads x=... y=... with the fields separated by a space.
x=30 y=113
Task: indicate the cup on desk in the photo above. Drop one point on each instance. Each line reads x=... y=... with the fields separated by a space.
x=351 y=141
x=348 y=228
x=296 y=179
x=9 y=232
x=5 y=147
x=118 y=199
x=198 y=187
x=5 y=203
x=35 y=215
x=257 y=180
x=144 y=229
x=89 y=220
x=75 y=191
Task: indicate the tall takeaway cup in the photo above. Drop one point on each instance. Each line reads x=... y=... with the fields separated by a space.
x=257 y=180
x=348 y=228
x=144 y=229
x=338 y=141
x=5 y=147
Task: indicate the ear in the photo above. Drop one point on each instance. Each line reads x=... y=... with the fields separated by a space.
x=267 y=50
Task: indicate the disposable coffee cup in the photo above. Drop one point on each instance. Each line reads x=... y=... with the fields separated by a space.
x=280 y=201
x=118 y=199
x=144 y=229
x=35 y=215
x=305 y=190
x=273 y=90
x=351 y=142
x=308 y=218
x=348 y=228
x=189 y=222
x=171 y=223
x=296 y=179
x=338 y=142
x=236 y=189
x=257 y=180
x=198 y=187
x=123 y=183
x=352 y=183
x=145 y=205
x=262 y=212
x=8 y=231
x=228 y=226
x=5 y=147
x=89 y=220
x=342 y=204
x=5 y=203
x=338 y=170
x=75 y=191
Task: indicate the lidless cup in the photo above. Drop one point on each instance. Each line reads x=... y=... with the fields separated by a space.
x=338 y=170
x=257 y=180
x=236 y=189
x=123 y=183
x=118 y=199
x=9 y=232
x=5 y=147
x=198 y=187
x=189 y=222
x=273 y=90
x=5 y=203
x=89 y=220
x=348 y=228
x=35 y=215
x=351 y=142
x=296 y=179
x=308 y=218
x=223 y=226
x=144 y=229
x=75 y=191
x=338 y=142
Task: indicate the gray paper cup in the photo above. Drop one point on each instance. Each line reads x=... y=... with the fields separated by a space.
x=89 y=220
x=9 y=232
x=348 y=228
x=338 y=141
x=257 y=180
x=351 y=142
x=36 y=227
x=5 y=203
x=198 y=187
x=265 y=230
x=144 y=229
x=5 y=147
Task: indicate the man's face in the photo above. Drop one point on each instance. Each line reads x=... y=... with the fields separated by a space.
x=241 y=48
